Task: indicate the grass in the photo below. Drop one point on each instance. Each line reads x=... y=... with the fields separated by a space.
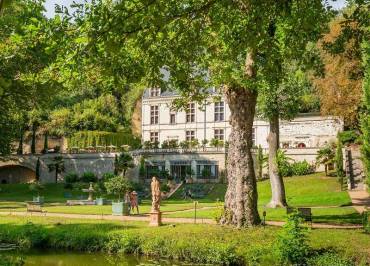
x=337 y=215
x=309 y=191
x=197 y=243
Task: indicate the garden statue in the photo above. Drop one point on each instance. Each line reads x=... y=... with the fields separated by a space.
x=90 y=190
x=155 y=214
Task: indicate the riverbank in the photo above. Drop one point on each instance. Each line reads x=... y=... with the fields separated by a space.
x=194 y=243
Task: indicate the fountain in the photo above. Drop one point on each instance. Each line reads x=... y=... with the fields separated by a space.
x=89 y=201
x=89 y=190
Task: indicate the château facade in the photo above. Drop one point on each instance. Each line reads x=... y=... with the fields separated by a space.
x=301 y=137
x=161 y=123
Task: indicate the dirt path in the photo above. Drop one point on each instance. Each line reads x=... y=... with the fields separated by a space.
x=145 y=218
x=360 y=199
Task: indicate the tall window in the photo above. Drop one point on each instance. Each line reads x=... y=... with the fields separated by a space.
x=172 y=118
x=190 y=135
x=219 y=134
x=154 y=114
x=190 y=113
x=154 y=137
x=154 y=92
x=219 y=111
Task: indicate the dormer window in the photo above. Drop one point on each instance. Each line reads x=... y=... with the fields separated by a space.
x=155 y=92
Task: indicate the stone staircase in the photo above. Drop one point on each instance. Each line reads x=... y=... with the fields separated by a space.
x=355 y=168
x=173 y=190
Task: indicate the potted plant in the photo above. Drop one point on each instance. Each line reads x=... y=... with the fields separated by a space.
x=99 y=187
x=37 y=187
x=118 y=186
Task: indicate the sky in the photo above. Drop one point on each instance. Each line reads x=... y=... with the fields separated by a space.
x=50 y=4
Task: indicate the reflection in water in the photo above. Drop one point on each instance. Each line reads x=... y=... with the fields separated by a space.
x=65 y=258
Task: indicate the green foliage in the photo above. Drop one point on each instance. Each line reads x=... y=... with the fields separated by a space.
x=283 y=163
x=339 y=161
x=302 y=168
x=348 y=137
x=142 y=167
x=56 y=165
x=366 y=221
x=165 y=188
x=292 y=243
x=124 y=162
x=329 y=258
x=365 y=116
x=260 y=162
x=88 y=177
x=326 y=156
x=36 y=187
x=127 y=243
x=184 y=144
x=117 y=186
x=71 y=178
x=216 y=143
x=6 y=260
x=83 y=139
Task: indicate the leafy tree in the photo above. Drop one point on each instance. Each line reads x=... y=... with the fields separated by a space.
x=233 y=49
x=23 y=59
x=57 y=165
x=280 y=99
x=124 y=162
x=326 y=156
x=354 y=41
x=339 y=161
x=340 y=88
x=117 y=186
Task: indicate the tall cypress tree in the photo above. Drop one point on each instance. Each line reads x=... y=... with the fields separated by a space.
x=365 y=118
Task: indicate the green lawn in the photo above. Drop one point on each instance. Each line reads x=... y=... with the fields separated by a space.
x=253 y=244
x=309 y=191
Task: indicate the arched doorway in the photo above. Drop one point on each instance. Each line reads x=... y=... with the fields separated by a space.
x=301 y=145
x=15 y=174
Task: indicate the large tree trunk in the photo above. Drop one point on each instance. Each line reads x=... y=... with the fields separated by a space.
x=46 y=146
x=241 y=195
x=20 y=145
x=277 y=184
x=33 y=141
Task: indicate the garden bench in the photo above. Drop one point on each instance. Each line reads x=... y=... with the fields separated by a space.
x=290 y=210
x=306 y=214
x=33 y=206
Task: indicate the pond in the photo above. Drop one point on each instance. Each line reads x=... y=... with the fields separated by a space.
x=67 y=258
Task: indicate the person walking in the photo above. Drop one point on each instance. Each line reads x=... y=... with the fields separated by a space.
x=134 y=202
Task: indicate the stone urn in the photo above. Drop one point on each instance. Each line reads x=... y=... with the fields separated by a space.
x=120 y=208
x=38 y=199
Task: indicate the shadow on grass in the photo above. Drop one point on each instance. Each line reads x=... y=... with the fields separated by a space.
x=352 y=218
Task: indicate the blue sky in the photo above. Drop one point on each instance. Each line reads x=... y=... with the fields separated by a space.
x=50 y=4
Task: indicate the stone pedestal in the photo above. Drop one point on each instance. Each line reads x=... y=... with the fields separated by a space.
x=155 y=218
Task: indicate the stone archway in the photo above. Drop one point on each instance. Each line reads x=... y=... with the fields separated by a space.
x=15 y=174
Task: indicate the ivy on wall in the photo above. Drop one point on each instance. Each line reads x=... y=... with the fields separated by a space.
x=84 y=139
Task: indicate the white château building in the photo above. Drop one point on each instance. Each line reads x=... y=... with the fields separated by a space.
x=301 y=137
x=160 y=123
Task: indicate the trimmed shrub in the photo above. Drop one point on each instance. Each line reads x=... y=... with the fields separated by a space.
x=347 y=137
x=71 y=178
x=88 y=177
x=302 y=168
